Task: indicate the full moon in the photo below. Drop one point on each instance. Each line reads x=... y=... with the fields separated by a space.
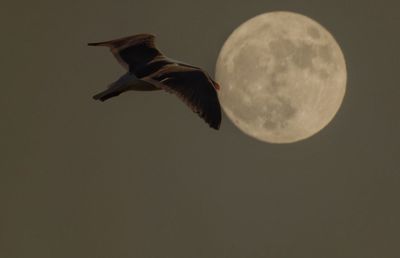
x=282 y=76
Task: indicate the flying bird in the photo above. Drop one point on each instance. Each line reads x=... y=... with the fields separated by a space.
x=148 y=70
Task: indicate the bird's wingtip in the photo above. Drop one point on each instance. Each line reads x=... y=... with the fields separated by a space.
x=215 y=126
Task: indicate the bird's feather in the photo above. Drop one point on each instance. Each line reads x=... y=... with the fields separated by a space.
x=193 y=87
x=132 y=52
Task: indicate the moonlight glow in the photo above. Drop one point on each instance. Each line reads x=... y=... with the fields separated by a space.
x=282 y=76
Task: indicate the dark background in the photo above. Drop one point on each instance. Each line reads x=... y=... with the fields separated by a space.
x=142 y=176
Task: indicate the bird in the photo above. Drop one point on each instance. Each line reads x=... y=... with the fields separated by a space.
x=148 y=69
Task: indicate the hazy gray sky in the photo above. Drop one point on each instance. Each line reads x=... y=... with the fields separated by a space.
x=142 y=176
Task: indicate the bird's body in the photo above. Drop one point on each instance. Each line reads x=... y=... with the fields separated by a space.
x=148 y=70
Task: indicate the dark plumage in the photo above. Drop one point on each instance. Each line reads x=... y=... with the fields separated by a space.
x=148 y=69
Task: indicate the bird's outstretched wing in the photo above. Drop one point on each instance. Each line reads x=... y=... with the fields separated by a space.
x=140 y=56
x=132 y=52
x=194 y=87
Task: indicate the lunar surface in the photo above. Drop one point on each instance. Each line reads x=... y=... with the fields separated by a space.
x=282 y=76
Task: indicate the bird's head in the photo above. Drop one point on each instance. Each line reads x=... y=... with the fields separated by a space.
x=215 y=84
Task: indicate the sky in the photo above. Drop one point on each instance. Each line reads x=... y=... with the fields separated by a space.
x=142 y=176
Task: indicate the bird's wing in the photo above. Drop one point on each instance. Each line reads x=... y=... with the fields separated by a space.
x=133 y=51
x=194 y=87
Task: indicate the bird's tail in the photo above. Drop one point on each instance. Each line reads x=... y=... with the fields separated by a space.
x=105 y=43
x=113 y=91
x=126 y=82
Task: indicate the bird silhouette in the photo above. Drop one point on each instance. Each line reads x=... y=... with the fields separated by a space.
x=148 y=70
